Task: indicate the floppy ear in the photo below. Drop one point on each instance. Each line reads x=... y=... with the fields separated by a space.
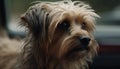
x=36 y=20
x=33 y=18
x=24 y=21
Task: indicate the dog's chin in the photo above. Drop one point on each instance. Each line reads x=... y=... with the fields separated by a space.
x=78 y=52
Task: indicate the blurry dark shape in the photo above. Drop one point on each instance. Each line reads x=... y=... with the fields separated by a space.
x=103 y=5
x=108 y=37
x=111 y=17
x=3 y=27
x=2 y=14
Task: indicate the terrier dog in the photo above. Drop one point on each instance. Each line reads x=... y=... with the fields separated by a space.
x=60 y=36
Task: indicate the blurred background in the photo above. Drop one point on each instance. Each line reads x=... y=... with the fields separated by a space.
x=107 y=31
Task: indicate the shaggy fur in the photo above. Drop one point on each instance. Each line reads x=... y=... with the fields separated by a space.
x=53 y=32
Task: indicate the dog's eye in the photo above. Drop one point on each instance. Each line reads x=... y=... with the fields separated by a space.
x=83 y=25
x=64 y=25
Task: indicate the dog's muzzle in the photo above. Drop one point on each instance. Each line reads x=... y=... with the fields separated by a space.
x=84 y=44
x=84 y=40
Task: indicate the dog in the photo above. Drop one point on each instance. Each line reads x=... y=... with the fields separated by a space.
x=59 y=36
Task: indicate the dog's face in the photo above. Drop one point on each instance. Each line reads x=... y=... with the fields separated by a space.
x=63 y=30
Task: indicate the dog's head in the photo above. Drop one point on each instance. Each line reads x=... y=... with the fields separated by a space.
x=62 y=30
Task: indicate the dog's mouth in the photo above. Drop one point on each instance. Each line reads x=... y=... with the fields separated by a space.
x=77 y=52
x=79 y=48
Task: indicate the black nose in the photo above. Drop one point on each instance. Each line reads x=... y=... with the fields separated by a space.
x=85 y=40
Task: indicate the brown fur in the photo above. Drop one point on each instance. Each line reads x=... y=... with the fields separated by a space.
x=9 y=50
x=49 y=47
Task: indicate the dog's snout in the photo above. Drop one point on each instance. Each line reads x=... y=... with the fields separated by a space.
x=85 y=40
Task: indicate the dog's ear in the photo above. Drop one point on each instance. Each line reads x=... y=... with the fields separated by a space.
x=24 y=21
x=36 y=20
x=32 y=18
